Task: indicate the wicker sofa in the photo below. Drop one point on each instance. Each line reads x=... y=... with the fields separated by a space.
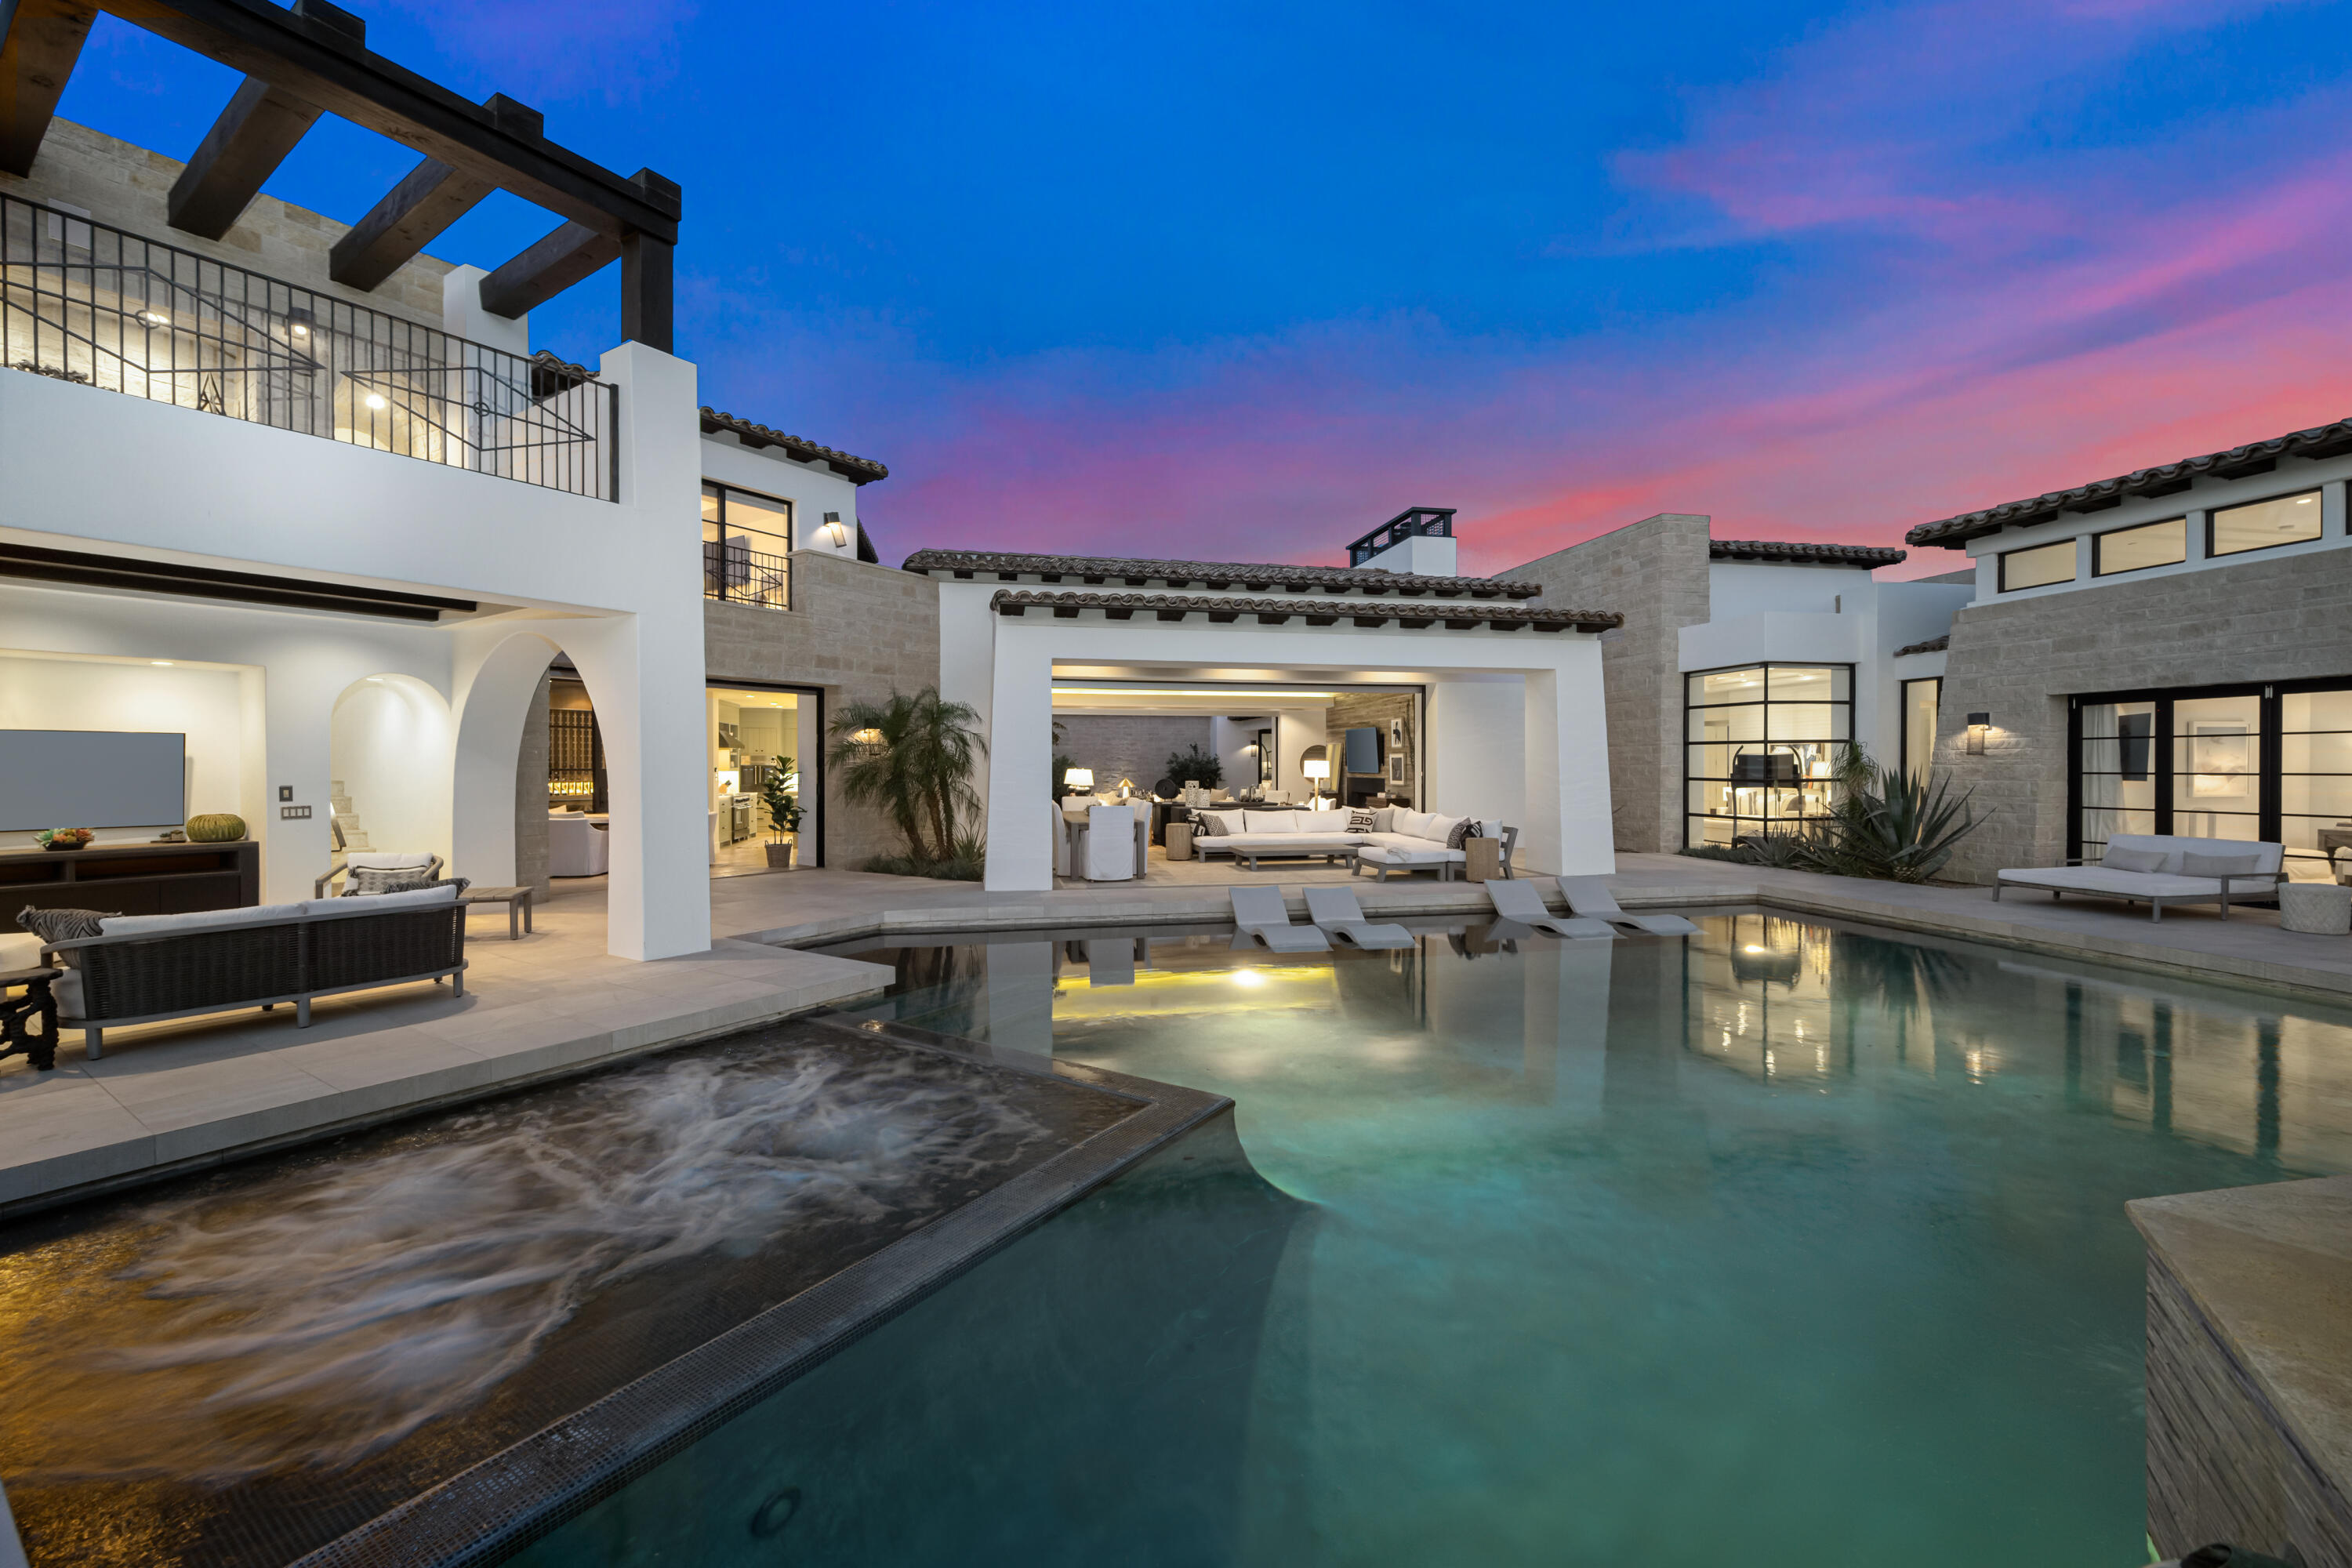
x=141 y=969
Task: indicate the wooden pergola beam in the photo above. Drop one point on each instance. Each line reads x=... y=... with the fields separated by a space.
x=562 y=258
x=413 y=213
x=319 y=65
x=39 y=42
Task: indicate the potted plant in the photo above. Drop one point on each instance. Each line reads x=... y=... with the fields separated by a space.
x=780 y=796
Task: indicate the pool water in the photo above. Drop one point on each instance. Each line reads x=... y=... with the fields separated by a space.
x=1782 y=1246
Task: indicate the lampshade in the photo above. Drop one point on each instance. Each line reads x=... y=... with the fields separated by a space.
x=1080 y=778
x=1317 y=770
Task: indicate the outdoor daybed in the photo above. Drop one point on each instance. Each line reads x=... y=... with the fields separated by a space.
x=2160 y=869
x=141 y=969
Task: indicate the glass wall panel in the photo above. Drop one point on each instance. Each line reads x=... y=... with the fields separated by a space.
x=2162 y=543
x=2315 y=784
x=2118 y=788
x=2217 y=766
x=1761 y=743
x=2286 y=520
x=747 y=542
x=1920 y=699
x=2038 y=567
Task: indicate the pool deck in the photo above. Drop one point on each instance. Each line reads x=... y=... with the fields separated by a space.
x=173 y=1097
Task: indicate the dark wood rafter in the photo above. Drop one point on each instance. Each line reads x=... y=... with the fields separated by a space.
x=39 y=42
x=647 y=293
x=320 y=65
x=260 y=126
x=413 y=213
x=562 y=257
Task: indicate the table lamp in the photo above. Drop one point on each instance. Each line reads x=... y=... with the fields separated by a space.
x=1079 y=780
x=1318 y=772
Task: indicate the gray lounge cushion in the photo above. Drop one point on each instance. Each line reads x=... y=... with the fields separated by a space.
x=2133 y=859
x=2195 y=864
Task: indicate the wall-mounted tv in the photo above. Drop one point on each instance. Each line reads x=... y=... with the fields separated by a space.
x=92 y=778
x=1364 y=751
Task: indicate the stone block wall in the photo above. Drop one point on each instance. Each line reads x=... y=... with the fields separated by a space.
x=1655 y=573
x=2284 y=619
x=855 y=630
x=1136 y=746
x=130 y=188
x=531 y=798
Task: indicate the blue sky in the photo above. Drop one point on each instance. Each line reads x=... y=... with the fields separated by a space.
x=1243 y=282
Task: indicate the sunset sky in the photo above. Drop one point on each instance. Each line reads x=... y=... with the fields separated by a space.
x=1240 y=282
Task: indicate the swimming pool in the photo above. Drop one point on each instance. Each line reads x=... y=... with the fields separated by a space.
x=1784 y=1245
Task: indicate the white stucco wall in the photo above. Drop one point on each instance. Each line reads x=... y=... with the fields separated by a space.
x=813 y=490
x=1475 y=760
x=203 y=702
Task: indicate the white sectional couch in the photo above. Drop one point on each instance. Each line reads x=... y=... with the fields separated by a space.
x=2158 y=870
x=1416 y=838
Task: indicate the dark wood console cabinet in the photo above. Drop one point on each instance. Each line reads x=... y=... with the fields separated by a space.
x=131 y=878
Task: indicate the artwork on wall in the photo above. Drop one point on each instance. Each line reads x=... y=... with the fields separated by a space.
x=1396 y=734
x=2220 y=766
x=1397 y=773
x=1266 y=759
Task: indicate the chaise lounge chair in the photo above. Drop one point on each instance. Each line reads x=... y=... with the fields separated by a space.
x=1336 y=913
x=1519 y=903
x=1588 y=896
x=1259 y=912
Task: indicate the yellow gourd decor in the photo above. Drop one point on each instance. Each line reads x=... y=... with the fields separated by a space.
x=218 y=828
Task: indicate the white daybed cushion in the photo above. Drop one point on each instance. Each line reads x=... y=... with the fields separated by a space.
x=2098 y=880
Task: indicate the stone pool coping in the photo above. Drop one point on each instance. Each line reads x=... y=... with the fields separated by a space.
x=502 y=1503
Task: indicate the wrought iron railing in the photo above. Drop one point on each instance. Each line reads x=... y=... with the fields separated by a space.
x=1415 y=522
x=87 y=303
x=732 y=571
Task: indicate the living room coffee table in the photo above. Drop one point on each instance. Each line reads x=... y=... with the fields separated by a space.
x=516 y=900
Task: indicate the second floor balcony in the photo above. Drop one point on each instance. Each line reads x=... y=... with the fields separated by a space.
x=87 y=303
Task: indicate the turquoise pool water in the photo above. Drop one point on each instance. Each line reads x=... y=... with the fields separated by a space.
x=1781 y=1245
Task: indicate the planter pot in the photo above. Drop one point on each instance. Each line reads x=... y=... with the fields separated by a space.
x=779 y=856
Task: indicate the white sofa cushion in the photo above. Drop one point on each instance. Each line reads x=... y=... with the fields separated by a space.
x=2099 y=879
x=2173 y=846
x=1222 y=824
x=1297 y=843
x=387 y=859
x=167 y=925
x=19 y=950
x=1412 y=852
x=1271 y=822
x=378 y=903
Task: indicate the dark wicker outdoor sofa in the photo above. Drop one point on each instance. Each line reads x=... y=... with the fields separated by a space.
x=179 y=966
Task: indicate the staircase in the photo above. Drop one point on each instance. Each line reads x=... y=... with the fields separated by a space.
x=340 y=803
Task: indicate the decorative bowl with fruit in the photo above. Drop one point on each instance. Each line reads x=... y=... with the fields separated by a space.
x=63 y=838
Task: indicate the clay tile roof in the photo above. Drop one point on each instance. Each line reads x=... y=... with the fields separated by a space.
x=1137 y=574
x=1933 y=645
x=2255 y=458
x=856 y=470
x=1313 y=612
x=1802 y=555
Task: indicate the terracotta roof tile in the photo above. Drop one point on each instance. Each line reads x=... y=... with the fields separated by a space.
x=2255 y=458
x=1313 y=612
x=1803 y=555
x=1258 y=578
x=1933 y=645
x=856 y=470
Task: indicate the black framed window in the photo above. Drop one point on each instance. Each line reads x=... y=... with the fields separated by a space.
x=2037 y=566
x=1759 y=744
x=1921 y=698
x=2271 y=763
x=2264 y=524
x=747 y=543
x=2163 y=543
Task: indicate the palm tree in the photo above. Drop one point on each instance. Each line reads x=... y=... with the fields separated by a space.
x=912 y=758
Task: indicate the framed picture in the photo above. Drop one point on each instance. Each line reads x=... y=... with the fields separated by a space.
x=1397 y=773
x=1268 y=759
x=2219 y=754
x=1396 y=734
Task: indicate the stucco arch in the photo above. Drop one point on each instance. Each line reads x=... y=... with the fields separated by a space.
x=389 y=741
x=490 y=718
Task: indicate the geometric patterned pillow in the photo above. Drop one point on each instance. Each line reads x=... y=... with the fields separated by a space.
x=1361 y=819
x=64 y=925
x=1468 y=827
x=368 y=880
x=418 y=883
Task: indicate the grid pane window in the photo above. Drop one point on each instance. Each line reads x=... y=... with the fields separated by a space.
x=2038 y=567
x=2118 y=772
x=2217 y=766
x=1761 y=742
x=2315 y=784
x=747 y=542
x=2162 y=543
x=1920 y=701
x=2286 y=520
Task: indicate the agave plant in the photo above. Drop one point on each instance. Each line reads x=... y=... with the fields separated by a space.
x=912 y=756
x=1886 y=824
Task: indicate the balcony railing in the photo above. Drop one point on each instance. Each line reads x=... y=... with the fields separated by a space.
x=1415 y=522
x=87 y=303
x=741 y=575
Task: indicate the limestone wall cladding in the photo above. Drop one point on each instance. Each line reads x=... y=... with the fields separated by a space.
x=531 y=798
x=2282 y=619
x=1135 y=746
x=1653 y=573
x=130 y=188
x=858 y=631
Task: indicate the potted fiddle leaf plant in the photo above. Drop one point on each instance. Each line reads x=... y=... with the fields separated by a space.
x=780 y=796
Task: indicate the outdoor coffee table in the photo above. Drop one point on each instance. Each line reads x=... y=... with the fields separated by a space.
x=19 y=1014
x=516 y=900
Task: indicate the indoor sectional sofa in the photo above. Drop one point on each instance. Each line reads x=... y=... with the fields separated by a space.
x=1403 y=839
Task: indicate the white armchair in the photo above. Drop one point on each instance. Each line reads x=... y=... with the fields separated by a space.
x=1061 y=840
x=1111 y=844
x=577 y=847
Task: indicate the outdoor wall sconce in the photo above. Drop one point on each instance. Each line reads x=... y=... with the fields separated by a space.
x=866 y=737
x=1977 y=724
x=835 y=531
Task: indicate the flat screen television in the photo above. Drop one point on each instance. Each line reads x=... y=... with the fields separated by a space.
x=92 y=778
x=1364 y=751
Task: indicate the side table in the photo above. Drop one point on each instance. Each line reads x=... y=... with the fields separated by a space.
x=516 y=900
x=19 y=1013
x=1180 y=840
x=1483 y=859
x=2322 y=909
